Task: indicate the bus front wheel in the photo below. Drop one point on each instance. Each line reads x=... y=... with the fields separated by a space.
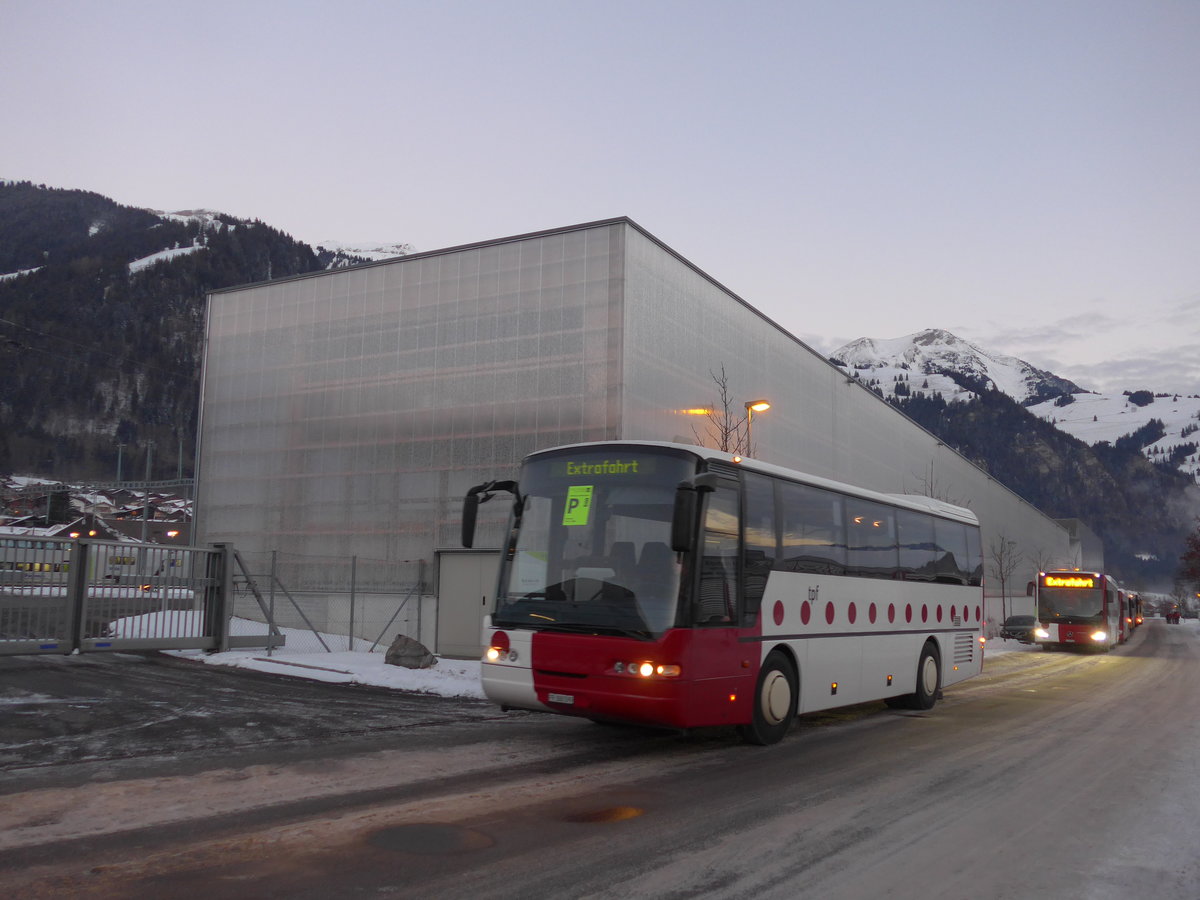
x=775 y=699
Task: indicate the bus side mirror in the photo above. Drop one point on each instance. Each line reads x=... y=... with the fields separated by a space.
x=469 y=511
x=482 y=493
x=687 y=506
x=683 y=520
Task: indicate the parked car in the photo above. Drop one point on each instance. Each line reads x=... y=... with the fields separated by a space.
x=1019 y=628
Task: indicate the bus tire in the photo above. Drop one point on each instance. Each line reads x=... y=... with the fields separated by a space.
x=929 y=678
x=775 y=700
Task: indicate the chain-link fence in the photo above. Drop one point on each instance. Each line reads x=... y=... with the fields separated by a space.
x=331 y=603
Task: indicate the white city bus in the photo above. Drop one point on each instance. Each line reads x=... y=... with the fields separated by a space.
x=678 y=586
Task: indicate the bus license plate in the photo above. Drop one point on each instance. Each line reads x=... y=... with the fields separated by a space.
x=561 y=698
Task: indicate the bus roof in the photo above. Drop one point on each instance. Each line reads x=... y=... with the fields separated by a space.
x=911 y=501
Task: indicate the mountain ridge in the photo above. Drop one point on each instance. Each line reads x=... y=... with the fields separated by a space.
x=955 y=368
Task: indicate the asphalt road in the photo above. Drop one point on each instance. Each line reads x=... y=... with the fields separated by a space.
x=150 y=712
x=1052 y=775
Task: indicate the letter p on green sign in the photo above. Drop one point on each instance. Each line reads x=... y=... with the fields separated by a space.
x=579 y=504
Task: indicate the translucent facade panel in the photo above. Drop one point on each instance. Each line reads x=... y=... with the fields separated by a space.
x=682 y=331
x=347 y=414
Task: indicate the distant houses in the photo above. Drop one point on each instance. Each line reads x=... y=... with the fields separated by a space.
x=40 y=508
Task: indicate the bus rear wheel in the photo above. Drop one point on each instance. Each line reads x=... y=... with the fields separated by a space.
x=775 y=699
x=929 y=682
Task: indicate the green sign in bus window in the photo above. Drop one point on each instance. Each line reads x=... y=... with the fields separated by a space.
x=579 y=504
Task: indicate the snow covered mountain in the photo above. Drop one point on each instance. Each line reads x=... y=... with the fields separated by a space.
x=1166 y=427
x=342 y=254
x=937 y=353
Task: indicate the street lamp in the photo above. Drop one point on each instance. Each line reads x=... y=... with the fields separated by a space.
x=753 y=406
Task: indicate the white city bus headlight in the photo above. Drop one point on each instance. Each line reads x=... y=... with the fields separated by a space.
x=1100 y=636
x=1041 y=634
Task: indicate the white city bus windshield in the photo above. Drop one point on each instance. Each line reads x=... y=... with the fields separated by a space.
x=592 y=551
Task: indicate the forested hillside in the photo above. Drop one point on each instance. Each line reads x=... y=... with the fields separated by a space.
x=97 y=352
x=1140 y=509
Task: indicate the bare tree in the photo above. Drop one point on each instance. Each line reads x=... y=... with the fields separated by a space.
x=930 y=486
x=727 y=423
x=1043 y=561
x=1005 y=557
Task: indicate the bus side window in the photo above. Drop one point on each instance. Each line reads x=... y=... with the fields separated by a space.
x=974 y=564
x=812 y=535
x=871 y=533
x=952 y=552
x=918 y=559
x=759 y=546
x=717 y=599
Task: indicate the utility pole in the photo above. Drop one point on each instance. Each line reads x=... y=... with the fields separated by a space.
x=146 y=499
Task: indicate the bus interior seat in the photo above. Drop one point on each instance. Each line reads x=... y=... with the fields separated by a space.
x=624 y=560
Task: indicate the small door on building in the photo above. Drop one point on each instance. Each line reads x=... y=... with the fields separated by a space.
x=466 y=592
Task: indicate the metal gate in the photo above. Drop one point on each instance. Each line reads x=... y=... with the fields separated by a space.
x=65 y=596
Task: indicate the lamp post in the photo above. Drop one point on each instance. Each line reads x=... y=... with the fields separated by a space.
x=753 y=406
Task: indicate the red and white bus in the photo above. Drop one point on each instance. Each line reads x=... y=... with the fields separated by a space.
x=1080 y=609
x=1135 y=612
x=681 y=587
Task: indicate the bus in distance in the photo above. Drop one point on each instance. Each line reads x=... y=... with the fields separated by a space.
x=1080 y=609
x=681 y=587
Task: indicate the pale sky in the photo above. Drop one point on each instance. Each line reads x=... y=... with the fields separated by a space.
x=1023 y=173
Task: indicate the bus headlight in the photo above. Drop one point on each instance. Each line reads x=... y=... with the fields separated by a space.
x=500 y=649
x=647 y=669
x=1041 y=634
x=1099 y=635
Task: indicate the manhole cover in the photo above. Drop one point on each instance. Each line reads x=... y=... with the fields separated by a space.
x=610 y=814
x=430 y=839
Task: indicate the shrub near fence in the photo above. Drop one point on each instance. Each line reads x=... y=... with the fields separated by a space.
x=372 y=600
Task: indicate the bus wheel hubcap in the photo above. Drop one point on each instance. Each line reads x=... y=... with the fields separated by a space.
x=929 y=676
x=776 y=697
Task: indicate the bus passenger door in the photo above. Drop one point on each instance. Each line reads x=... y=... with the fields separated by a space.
x=722 y=668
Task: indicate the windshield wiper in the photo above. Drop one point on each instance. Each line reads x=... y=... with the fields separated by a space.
x=580 y=628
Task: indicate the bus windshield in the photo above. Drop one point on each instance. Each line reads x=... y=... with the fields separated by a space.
x=1076 y=605
x=592 y=545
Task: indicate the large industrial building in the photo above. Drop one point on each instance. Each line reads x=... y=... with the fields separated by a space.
x=345 y=414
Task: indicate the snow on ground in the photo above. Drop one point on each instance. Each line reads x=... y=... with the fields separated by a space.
x=303 y=656
x=448 y=678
